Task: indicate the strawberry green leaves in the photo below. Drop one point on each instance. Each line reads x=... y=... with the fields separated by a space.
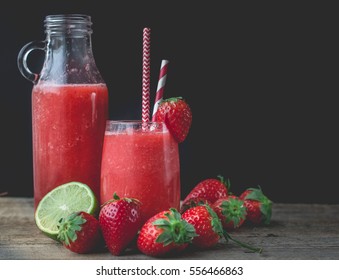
x=259 y=206
x=175 y=229
x=80 y=232
x=165 y=233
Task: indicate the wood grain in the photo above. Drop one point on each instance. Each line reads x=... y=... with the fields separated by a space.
x=297 y=231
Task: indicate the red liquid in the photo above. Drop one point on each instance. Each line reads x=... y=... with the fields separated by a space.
x=142 y=165
x=68 y=129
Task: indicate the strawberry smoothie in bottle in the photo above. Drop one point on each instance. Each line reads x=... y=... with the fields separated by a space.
x=69 y=106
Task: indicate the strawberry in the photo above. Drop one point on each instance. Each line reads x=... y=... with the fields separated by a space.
x=207 y=225
x=192 y=202
x=165 y=233
x=177 y=115
x=209 y=228
x=120 y=221
x=231 y=211
x=208 y=190
x=80 y=232
x=259 y=206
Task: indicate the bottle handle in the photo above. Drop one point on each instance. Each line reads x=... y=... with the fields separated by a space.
x=22 y=59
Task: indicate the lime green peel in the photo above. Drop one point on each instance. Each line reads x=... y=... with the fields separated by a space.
x=61 y=202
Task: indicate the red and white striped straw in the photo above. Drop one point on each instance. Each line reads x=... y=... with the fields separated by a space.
x=146 y=74
x=161 y=86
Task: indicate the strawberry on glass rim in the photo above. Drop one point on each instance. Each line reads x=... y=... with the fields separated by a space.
x=177 y=115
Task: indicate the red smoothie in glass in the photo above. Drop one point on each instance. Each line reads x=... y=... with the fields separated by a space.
x=68 y=129
x=144 y=165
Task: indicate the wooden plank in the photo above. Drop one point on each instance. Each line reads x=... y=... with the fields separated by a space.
x=297 y=231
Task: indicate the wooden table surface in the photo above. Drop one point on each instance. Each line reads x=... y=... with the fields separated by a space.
x=297 y=231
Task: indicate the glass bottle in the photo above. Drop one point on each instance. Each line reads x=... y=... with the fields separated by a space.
x=69 y=106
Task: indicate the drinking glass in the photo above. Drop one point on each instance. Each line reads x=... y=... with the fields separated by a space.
x=141 y=160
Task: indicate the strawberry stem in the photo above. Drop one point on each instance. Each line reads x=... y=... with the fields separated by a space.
x=115 y=196
x=233 y=210
x=67 y=227
x=226 y=182
x=247 y=246
x=175 y=229
x=265 y=203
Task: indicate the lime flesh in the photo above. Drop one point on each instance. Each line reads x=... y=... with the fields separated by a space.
x=61 y=202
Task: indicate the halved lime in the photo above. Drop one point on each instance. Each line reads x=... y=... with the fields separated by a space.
x=61 y=202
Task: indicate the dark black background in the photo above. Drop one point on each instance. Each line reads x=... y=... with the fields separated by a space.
x=259 y=80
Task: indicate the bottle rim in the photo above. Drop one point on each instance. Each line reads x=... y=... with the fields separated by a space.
x=67 y=23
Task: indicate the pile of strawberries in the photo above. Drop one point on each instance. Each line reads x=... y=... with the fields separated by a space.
x=206 y=215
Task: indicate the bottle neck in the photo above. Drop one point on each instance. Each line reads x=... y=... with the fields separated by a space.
x=70 y=49
x=69 y=57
